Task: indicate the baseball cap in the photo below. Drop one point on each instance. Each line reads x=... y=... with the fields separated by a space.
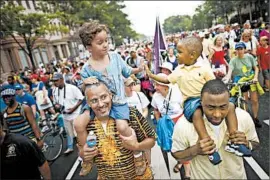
x=8 y=92
x=34 y=76
x=240 y=45
x=18 y=86
x=128 y=81
x=167 y=65
x=161 y=75
x=57 y=76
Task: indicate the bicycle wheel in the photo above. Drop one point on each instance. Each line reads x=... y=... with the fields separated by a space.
x=53 y=145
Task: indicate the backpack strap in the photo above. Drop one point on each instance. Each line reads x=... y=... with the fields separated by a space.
x=139 y=97
x=168 y=102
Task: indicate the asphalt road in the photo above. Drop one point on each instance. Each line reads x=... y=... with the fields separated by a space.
x=257 y=167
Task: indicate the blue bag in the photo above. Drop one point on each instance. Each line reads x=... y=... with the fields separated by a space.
x=165 y=127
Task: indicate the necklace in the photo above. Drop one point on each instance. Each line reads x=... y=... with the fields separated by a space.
x=107 y=142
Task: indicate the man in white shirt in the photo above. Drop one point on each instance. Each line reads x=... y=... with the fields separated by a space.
x=67 y=99
x=186 y=146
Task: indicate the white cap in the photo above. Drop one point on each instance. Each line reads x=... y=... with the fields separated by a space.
x=167 y=65
x=162 y=75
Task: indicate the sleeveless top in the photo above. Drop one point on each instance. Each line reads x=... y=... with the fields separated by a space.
x=17 y=122
x=218 y=58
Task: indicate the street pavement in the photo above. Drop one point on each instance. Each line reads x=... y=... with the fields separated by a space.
x=257 y=166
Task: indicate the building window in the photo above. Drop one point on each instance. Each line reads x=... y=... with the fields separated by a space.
x=34 y=3
x=44 y=55
x=19 y=2
x=23 y=58
x=27 y=4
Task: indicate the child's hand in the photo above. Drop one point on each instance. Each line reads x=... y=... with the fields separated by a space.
x=90 y=80
x=148 y=72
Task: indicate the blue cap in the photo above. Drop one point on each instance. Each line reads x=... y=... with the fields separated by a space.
x=240 y=45
x=18 y=86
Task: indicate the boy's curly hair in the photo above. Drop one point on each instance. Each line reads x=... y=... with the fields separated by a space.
x=88 y=31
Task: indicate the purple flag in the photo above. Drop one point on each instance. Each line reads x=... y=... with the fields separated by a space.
x=159 y=46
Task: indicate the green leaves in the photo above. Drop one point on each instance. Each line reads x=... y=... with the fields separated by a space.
x=178 y=23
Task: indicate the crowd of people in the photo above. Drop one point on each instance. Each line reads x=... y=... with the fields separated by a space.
x=113 y=92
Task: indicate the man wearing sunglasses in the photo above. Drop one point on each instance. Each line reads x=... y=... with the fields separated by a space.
x=19 y=117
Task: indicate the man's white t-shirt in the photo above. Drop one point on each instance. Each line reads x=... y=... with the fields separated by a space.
x=175 y=105
x=138 y=100
x=69 y=100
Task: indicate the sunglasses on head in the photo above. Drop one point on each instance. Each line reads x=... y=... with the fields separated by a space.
x=239 y=48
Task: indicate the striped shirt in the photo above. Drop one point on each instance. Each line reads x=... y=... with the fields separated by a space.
x=18 y=124
x=113 y=160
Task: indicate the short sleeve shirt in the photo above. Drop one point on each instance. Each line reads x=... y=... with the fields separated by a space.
x=20 y=158
x=138 y=100
x=113 y=160
x=174 y=103
x=26 y=99
x=232 y=166
x=190 y=79
x=243 y=67
x=264 y=54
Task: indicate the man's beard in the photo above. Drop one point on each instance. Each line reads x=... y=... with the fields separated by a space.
x=11 y=103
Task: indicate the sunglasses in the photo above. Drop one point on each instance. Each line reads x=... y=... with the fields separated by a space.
x=7 y=96
x=17 y=89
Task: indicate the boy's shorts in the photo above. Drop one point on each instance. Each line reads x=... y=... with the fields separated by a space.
x=118 y=111
x=191 y=104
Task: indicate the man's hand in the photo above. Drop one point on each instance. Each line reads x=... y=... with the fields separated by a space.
x=255 y=80
x=69 y=111
x=90 y=80
x=205 y=146
x=238 y=138
x=89 y=153
x=40 y=144
x=130 y=142
x=225 y=79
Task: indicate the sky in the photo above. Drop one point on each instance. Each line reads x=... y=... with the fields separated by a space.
x=142 y=14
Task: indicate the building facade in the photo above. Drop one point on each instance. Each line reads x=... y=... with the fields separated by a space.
x=52 y=46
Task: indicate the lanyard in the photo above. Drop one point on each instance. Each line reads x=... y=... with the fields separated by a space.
x=59 y=95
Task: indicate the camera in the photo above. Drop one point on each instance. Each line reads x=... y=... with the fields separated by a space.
x=59 y=108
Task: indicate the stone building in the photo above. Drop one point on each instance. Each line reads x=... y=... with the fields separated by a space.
x=52 y=46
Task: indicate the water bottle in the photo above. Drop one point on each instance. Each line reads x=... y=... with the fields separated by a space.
x=91 y=139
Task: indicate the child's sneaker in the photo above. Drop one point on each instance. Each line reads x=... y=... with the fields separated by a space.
x=140 y=165
x=229 y=148
x=86 y=168
x=243 y=149
x=215 y=158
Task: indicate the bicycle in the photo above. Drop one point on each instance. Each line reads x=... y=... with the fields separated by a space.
x=53 y=138
x=238 y=99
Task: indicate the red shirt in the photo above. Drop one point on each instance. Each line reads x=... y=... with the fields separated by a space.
x=218 y=57
x=264 y=54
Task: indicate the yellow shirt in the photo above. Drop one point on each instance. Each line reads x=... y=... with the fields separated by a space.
x=232 y=166
x=190 y=79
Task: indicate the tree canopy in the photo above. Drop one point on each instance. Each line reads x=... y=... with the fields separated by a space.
x=30 y=27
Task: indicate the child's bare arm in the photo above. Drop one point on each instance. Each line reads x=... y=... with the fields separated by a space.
x=197 y=120
x=155 y=77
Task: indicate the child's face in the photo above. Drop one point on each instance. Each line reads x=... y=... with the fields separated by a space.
x=183 y=55
x=100 y=45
